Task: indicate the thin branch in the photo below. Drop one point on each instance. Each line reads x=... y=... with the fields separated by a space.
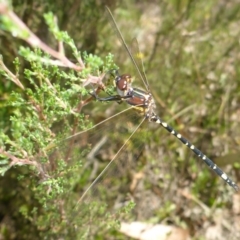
x=12 y=77
x=34 y=41
x=21 y=161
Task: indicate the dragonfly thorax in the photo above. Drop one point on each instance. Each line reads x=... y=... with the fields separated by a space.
x=140 y=99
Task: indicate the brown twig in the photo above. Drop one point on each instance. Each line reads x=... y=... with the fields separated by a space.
x=12 y=77
x=34 y=41
x=21 y=161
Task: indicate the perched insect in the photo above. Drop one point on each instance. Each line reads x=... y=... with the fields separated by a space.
x=85 y=215
x=144 y=102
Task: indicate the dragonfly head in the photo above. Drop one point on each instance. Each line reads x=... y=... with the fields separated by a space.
x=123 y=84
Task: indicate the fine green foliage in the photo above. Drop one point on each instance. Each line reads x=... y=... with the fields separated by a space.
x=47 y=110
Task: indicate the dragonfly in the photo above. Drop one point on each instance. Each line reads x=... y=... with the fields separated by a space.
x=142 y=101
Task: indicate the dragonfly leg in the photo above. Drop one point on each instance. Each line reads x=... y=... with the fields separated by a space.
x=116 y=98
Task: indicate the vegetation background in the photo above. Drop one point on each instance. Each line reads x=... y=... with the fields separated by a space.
x=191 y=56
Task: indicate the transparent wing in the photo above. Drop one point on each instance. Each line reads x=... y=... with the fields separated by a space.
x=124 y=44
x=90 y=195
x=139 y=56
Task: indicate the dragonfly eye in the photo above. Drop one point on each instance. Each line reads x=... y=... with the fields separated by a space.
x=123 y=82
